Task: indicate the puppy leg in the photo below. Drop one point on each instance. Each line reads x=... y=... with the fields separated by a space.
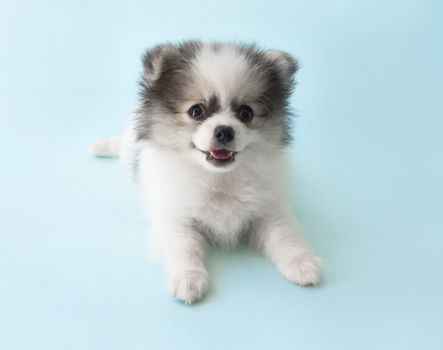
x=281 y=241
x=184 y=252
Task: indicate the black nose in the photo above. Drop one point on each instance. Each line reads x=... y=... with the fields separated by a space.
x=224 y=134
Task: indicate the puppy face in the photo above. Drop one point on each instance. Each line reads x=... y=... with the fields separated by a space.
x=215 y=104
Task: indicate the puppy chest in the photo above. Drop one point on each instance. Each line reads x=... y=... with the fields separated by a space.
x=226 y=214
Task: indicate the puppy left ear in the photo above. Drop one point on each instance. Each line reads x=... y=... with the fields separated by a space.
x=153 y=61
x=285 y=64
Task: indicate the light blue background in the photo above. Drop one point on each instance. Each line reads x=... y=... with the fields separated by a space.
x=74 y=265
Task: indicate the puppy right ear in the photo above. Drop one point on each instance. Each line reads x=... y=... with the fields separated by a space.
x=286 y=65
x=152 y=62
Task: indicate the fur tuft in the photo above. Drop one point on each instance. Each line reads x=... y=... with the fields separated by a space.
x=107 y=148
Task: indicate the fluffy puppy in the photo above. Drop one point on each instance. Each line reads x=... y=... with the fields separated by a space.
x=207 y=146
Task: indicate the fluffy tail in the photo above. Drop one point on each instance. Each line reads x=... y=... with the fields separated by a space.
x=109 y=148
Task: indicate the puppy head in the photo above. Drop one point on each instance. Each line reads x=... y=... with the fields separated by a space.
x=217 y=104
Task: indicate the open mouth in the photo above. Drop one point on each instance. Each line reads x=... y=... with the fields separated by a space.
x=220 y=157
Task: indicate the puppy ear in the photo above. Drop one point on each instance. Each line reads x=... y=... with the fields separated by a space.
x=153 y=60
x=285 y=64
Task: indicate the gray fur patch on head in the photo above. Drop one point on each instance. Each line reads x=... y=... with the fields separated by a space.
x=166 y=71
x=172 y=78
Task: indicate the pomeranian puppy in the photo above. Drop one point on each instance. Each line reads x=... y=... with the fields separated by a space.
x=207 y=148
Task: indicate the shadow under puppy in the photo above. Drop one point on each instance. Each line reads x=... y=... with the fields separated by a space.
x=207 y=146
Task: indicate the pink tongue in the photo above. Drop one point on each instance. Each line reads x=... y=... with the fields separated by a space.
x=221 y=154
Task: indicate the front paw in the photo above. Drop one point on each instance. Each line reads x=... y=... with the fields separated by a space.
x=189 y=286
x=304 y=270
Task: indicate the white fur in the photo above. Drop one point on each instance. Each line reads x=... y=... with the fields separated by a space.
x=179 y=187
x=109 y=148
x=174 y=189
x=217 y=72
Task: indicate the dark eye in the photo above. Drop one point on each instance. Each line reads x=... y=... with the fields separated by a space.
x=196 y=112
x=245 y=113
